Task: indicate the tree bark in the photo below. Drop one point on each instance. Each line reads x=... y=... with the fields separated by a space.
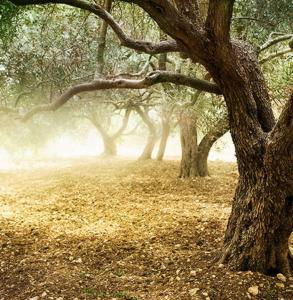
x=188 y=135
x=261 y=221
x=206 y=144
x=164 y=139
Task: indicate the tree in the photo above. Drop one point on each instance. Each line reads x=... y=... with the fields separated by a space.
x=97 y=118
x=215 y=132
x=143 y=112
x=262 y=213
x=188 y=137
x=166 y=127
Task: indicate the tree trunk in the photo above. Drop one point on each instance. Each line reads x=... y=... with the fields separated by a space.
x=109 y=141
x=261 y=220
x=164 y=139
x=110 y=148
x=102 y=43
x=149 y=147
x=152 y=136
x=188 y=134
x=206 y=144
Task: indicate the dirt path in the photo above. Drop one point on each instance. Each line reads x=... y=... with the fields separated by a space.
x=118 y=229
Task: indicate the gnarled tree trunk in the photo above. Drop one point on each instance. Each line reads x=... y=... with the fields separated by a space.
x=262 y=214
x=261 y=220
x=188 y=136
x=149 y=147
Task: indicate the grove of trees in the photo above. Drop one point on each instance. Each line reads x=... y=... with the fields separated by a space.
x=206 y=67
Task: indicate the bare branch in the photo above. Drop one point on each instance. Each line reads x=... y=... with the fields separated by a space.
x=104 y=84
x=255 y=20
x=177 y=25
x=139 y=45
x=274 y=55
x=274 y=41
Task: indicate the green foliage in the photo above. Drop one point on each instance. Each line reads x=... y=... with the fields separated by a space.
x=8 y=16
x=255 y=20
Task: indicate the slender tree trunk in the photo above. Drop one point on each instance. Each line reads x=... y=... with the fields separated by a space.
x=164 y=139
x=188 y=134
x=152 y=136
x=149 y=147
x=102 y=43
x=206 y=144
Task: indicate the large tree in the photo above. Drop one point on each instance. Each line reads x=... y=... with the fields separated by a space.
x=262 y=214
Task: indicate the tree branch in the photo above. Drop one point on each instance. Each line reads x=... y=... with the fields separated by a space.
x=274 y=41
x=139 y=45
x=255 y=20
x=103 y=84
x=124 y=125
x=177 y=25
x=146 y=119
x=274 y=55
x=189 y=8
x=219 y=19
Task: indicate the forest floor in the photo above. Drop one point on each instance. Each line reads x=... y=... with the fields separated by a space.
x=120 y=229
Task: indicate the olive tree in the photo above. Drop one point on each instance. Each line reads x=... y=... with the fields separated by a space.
x=261 y=220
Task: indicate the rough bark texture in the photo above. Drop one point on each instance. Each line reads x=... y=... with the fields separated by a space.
x=164 y=139
x=261 y=220
x=188 y=134
x=206 y=144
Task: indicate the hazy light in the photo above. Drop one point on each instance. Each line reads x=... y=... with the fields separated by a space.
x=70 y=146
x=90 y=144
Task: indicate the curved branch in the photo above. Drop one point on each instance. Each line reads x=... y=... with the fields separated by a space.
x=139 y=45
x=274 y=55
x=103 y=84
x=125 y=121
x=274 y=41
x=254 y=19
